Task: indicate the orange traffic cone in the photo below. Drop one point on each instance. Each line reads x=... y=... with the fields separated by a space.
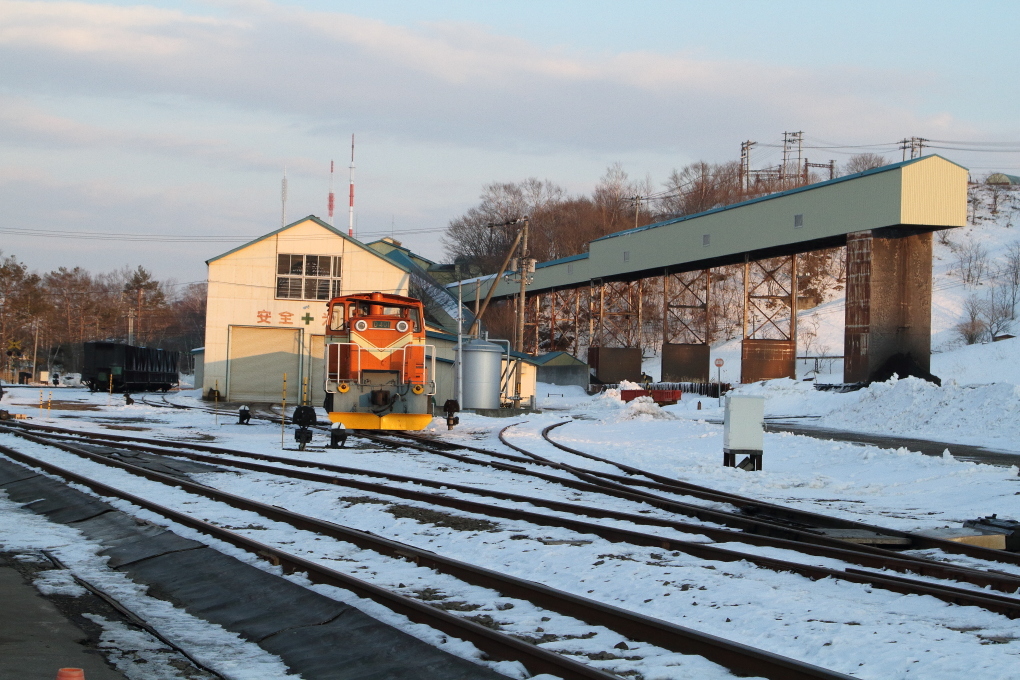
x=70 y=674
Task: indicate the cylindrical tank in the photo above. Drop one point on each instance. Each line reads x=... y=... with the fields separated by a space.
x=482 y=369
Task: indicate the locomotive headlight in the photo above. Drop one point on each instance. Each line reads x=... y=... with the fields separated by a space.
x=417 y=389
x=343 y=388
x=402 y=326
x=361 y=325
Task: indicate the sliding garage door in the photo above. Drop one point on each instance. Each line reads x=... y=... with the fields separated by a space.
x=258 y=358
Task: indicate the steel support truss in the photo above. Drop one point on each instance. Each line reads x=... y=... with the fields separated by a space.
x=615 y=313
x=770 y=299
x=685 y=307
x=769 y=346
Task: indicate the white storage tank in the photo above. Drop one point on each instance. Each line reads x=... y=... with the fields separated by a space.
x=482 y=373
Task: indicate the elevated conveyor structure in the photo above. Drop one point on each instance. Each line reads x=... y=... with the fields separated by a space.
x=885 y=216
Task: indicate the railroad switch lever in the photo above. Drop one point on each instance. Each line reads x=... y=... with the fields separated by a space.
x=302 y=436
x=243 y=415
x=450 y=407
x=337 y=436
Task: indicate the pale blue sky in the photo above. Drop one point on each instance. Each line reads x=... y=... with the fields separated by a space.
x=178 y=118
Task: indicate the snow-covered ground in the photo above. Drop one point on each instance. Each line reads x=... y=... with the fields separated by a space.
x=855 y=629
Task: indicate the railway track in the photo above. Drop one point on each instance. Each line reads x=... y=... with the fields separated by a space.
x=740 y=659
x=778 y=513
x=596 y=482
x=750 y=516
x=1009 y=606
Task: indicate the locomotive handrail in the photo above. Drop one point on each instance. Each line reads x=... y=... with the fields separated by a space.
x=335 y=376
x=431 y=382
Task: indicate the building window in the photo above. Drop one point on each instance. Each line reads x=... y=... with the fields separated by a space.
x=798 y=221
x=706 y=240
x=307 y=277
x=626 y=256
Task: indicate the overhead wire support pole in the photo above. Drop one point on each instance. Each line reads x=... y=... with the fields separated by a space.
x=499 y=272
x=523 y=270
x=460 y=337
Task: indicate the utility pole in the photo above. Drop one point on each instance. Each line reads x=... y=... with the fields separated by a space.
x=915 y=145
x=131 y=327
x=139 y=312
x=35 y=350
x=789 y=139
x=460 y=336
x=523 y=270
x=499 y=272
x=637 y=204
x=745 y=164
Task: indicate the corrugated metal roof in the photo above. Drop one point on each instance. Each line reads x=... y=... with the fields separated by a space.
x=771 y=197
x=322 y=224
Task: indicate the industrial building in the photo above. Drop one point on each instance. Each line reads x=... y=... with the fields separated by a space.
x=595 y=303
x=267 y=303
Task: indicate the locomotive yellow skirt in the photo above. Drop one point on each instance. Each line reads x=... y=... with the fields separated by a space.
x=390 y=421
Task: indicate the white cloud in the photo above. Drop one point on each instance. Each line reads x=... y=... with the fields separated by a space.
x=90 y=94
x=451 y=82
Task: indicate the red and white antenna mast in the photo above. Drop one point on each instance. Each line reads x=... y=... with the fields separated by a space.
x=350 y=214
x=331 y=197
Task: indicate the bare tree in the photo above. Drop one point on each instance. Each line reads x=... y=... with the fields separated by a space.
x=863 y=161
x=996 y=192
x=699 y=187
x=971 y=263
x=998 y=312
x=972 y=329
x=1009 y=276
x=468 y=238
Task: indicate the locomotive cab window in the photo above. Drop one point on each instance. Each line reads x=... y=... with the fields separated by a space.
x=307 y=277
x=337 y=318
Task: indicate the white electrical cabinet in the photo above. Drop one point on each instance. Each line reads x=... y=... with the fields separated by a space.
x=743 y=430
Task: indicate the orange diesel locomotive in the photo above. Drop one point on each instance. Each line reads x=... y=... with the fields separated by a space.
x=380 y=374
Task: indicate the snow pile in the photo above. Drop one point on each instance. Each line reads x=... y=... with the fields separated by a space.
x=639 y=408
x=914 y=407
x=643 y=408
x=788 y=397
x=608 y=400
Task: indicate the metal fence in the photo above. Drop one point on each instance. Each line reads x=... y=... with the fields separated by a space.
x=701 y=389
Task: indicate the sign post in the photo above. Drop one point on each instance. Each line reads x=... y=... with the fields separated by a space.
x=718 y=367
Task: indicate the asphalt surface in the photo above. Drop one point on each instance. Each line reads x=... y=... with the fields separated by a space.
x=37 y=637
